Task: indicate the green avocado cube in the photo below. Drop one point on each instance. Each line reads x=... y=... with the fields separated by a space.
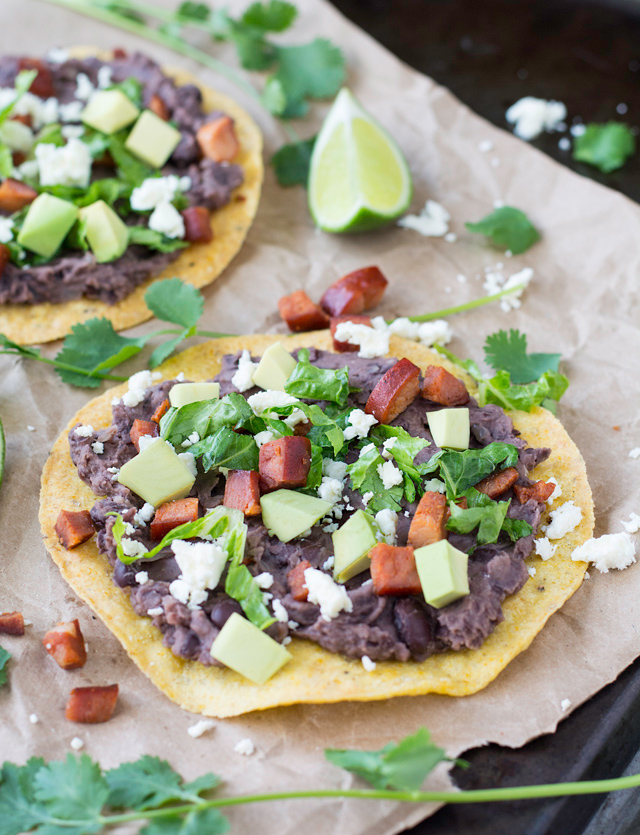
x=288 y=514
x=152 y=139
x=106 y=234
x=243 y=647
x=47 y=224
x=275 y=368
x=109 y=111
x=157 y=475
x=443 y=573
x=184 y=393
x=450 y=428
x=351 y=545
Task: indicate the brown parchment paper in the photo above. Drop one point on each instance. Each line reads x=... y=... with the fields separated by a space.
x=583 y=302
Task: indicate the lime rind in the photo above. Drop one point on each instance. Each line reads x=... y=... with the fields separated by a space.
x=338 y=182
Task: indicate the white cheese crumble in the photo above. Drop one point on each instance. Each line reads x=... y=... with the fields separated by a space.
x=243 y=378
x=263 y=400
x=496 y=281
x=84 y=431
x=368 y=664
x=387 y=446
x=286 y=640
x=334 y=469
x=30 y=428
x=633 y=525
x=76 y=743
x=532 y=116
x=145 y=441
x=201 y=727
x=432 y=222
x=72 y=131
x=613 y=550
x=279 y=611
x=155 y=612
x=156 y=190
x=387 y=521
x=557 y=491
x=485 y=146
x=105 y=74
x=138 y=385
x=17 y=136
x=201 y=565
x=190 y=460
x=434 y=485
x=41 y=112
x=33 y=718
x=428 y=333
x=451 y=237
x=144 y=515
x=264 y=437
x=565 y=704
x=68 y=165
x=366 y=498
x=389 y=474
x=563 y=520
x=531 y=570
x=292 y=624
x=635 y=452
x=97 y=447
x=132 y=548
x=331 y=597
x=141 y=578
x=371 y=342
x=84 y=87
x=264 y=580
x=544 y=549
x=57 y=55
x=359 y=424
x=244 y=747
x=332 y=527
x=191 y=440
x=71 y=111
x=167 y=220
x=328 y=564
x=330 y=490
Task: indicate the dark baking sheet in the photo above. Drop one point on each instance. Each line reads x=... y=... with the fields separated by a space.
x=490 y=53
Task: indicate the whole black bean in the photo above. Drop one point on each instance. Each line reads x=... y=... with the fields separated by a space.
x=414 y=627
x=222 y=611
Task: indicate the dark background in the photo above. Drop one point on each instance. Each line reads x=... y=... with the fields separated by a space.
x=491 y=53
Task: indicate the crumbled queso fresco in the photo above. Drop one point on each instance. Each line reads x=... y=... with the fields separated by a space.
x=331 y=597
x=432 y=222
x=563 y=520
x=613 y=550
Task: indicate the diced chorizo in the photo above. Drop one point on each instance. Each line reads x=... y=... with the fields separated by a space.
x=301 y=314
x=393 y=570
x=343 y=297
x=158 y=106
x=296 y=581
x=197 y=225
x=17 y=158
x=15 y=195
x=440 y=386
x=12 y=623
x=65 y=644
x=242 y=491
x=140 y=428
x=24 y=119
x=540 y=491
x=168 y=516
x=284 y=462
x=91 y=705
x=372 y=283
x=119 y=54
x=343 y=347
x=159 y=413
x=394 y=391
x=5 y=257
x=429 y=520
x=73 y=527
x=218 y=140
x=42 y=84
x=496 y=484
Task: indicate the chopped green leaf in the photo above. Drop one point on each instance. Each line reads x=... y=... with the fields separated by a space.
x=483 y=513
x=404 y=449
x=129 y=168
x=403 y=766
x=95 y=346
x=314 y=477
x=227 y=448
x=241 y=585
x=312 y=383
x=50 y=135
x=151 y=782
x=132 y=88
x=606 y=146
x=173 y=300
x=272 y=16
x=23 y=82
x=508 y=228
x=363 y=475
x=291 y=163
x=194 y=11
x=6 y=161
x=462 y=470
x=508 y=352
x=206 y=417
x=154 y=240
x=500 y=390
x=4 y=658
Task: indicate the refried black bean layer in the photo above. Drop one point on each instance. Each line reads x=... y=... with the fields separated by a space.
x=399 y=628
x=74 y=275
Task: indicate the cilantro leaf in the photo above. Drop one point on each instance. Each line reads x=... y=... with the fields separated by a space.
x=95 y=346
x=129 y=167
x=173 y=300
x=291 y=163
x=462 y=470
x=273 y=16
x=508 y=352
x=19 y=812
x=4 y=658
x=516 y=528
x=607 y=146
x=198 y=822
x=312 y=71
x=227 y=448
x=150 y=782
x=254 y=52
x=73 y=790
x=144 y=236
x=313 y=383
x=507 y=227
x=402 y=766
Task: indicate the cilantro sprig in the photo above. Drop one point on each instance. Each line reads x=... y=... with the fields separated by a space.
x=76 y=795
x=508 y=228
x=606 y=147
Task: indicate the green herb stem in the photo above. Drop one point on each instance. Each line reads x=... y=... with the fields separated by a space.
x=64 y=366
x=461 y=308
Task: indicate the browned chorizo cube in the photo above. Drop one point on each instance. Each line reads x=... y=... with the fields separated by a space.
x=140 y=428
x=540 y=491
x=440 y=386
x=5 y=257
x=218 y=140
x=393 y=570
x=172 y=514
x=42 y=84
x=73 y=527
x=372 y=283
x=65 y=644
x=91 y=705
x=197 y=225
x=284 y=462
x=296 y=581
x=429 y=520
x=496 y=484
x=343 y=347
x=15 y=195
x=301 y=314
x=394 y=391
x=158 y=106
x=242 y=491
x=343 y=297
x=159 y=413
x=12 y=623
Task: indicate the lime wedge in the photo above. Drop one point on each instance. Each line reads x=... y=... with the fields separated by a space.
x=359 y=179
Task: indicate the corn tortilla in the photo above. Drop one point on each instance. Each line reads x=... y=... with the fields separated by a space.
x=314 y=675
x=199 y=264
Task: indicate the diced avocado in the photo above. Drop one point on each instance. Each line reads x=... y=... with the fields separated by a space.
x=109 y=111
x=152 y=139
x=450 y=428
x=443 y=573
x=47 y=224
x=183 y=393
x=243 y=647
x=106 y=234
x=157 y=475
x=288 y=514
x=275 y=368
x=351 y=545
